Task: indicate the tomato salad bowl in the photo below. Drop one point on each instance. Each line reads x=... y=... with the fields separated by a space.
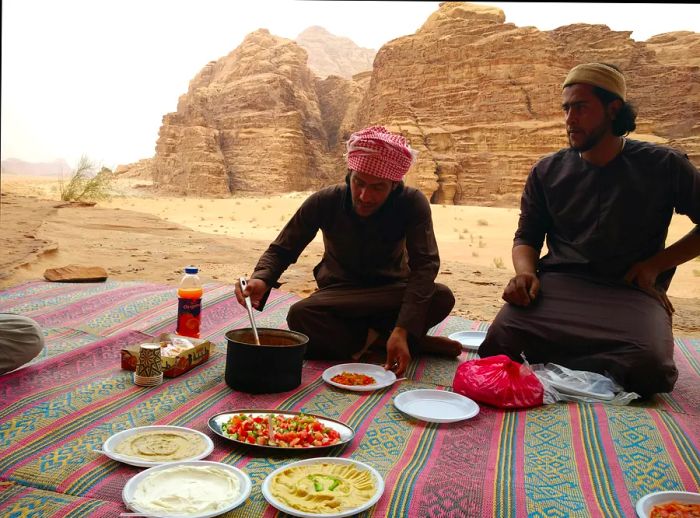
x=284 y=430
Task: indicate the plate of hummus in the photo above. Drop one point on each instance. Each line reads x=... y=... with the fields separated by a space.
x=323 y=487
x=193 y=489
x=280 y=430
x=359 y=377
x=148 y=446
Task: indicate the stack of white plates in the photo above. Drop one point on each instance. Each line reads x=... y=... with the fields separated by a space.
x=470 y=340
x=436 y=406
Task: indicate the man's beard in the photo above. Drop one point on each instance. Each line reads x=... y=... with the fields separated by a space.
x=594 y=137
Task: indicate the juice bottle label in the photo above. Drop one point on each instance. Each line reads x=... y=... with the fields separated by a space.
x=188 y=316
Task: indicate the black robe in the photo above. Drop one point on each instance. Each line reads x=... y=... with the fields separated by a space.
x=598 y=222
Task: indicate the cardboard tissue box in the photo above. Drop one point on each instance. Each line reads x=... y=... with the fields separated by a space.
x=176 y=355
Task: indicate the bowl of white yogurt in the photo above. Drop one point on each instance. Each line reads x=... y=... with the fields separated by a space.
x=192 y=489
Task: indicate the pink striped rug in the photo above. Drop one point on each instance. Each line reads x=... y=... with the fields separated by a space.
x=557 y=460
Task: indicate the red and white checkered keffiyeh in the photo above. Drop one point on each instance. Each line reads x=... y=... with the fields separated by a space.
x=380 y=153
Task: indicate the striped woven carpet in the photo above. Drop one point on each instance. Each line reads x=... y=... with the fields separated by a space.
x=557 y=460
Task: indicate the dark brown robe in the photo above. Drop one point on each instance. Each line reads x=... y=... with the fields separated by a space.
x=376 y=272
x=598 y=222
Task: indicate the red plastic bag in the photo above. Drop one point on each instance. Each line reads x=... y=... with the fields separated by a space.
x=500 y=382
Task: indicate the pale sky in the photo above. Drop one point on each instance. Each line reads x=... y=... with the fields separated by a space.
x=95 y=77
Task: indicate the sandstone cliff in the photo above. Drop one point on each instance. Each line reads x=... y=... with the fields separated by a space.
x=477 y=96
x=480 y=97
x=250 y=121
x=333 y=55
x=676 y=48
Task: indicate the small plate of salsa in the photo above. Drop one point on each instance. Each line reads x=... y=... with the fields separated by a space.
x=664 y=503
x=359 y=377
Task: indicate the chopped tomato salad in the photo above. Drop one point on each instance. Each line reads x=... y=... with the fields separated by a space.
x=297 y=431
x=353 y=378
x=675 y=510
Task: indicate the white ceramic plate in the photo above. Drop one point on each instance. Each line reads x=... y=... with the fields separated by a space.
x=470 y=340
x=378 y=482
x=215 y=422
x=436 y=406
x=383 y=378
x=647 y=503
x=243 y=479
x=108 y=448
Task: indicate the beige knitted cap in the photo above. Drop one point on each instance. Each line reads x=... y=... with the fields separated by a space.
x=598 y=74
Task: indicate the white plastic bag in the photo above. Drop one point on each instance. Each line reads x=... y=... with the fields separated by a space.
x=562 y=384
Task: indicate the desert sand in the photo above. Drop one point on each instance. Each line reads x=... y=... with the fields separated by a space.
x=136 y=235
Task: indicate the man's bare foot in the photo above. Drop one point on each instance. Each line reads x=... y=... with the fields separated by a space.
x=440 y=345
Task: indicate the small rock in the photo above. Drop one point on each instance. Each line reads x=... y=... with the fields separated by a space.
x=76 y=273
x=75 y=204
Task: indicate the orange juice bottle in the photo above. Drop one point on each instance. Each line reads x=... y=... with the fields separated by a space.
x=189 y=303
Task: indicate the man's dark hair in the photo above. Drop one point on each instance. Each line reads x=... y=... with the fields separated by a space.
x=626 y=117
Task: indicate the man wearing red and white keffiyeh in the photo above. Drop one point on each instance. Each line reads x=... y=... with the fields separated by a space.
x=377 y=276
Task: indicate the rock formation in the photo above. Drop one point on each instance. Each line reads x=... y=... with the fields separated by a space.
x=480 y=97
x=333 y=55
x=676 y=48
x=250 y=121
x=477 y=97
x=57 y=167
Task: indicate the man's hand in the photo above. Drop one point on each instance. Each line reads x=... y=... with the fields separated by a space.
x=522 y=289
x=397 y=355
x=643 y=275
x=255 y=290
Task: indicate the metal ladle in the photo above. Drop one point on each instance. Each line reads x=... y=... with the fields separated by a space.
x=249 y=307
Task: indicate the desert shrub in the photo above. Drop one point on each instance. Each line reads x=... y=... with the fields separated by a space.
x=499 y=263
x=482 y=223
x=85 y=184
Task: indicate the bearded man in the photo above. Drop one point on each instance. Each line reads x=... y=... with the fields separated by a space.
x=376 y=277
x=596 y=301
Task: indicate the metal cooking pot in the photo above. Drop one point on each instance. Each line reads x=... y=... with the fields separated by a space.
x=273 y=366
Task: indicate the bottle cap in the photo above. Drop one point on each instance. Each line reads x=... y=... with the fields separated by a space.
x=191 y=269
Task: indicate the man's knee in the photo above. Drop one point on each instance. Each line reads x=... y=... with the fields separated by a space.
x=443 y=301
x=501 y=338
x=21 y=340
x=298 y=314
x=650 y=371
